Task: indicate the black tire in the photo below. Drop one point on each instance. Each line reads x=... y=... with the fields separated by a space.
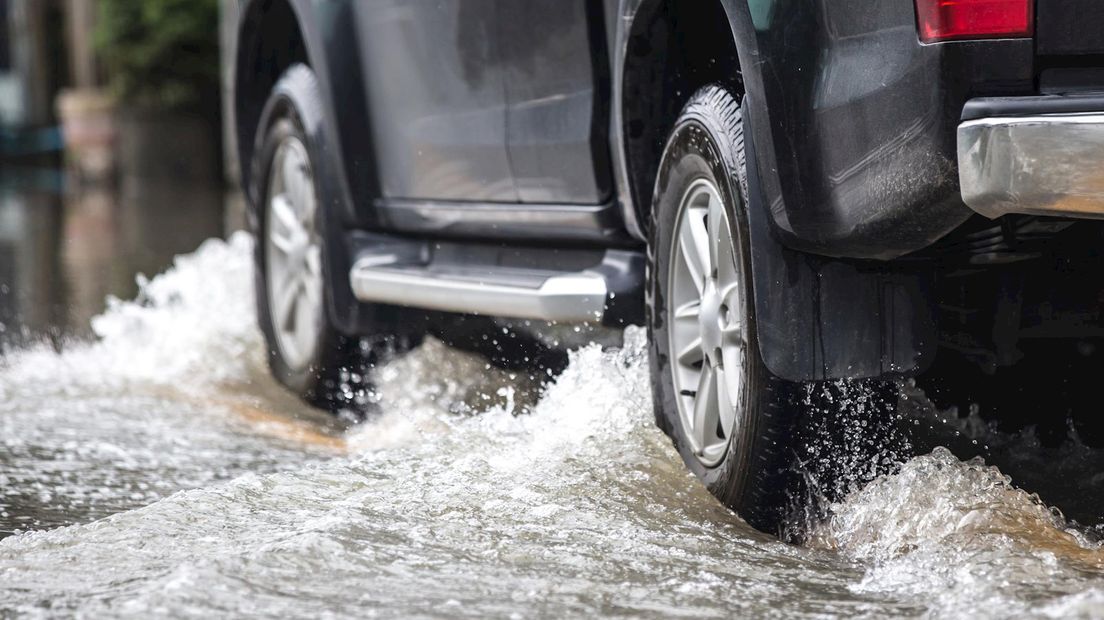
x=754 y=477
x=294 y=110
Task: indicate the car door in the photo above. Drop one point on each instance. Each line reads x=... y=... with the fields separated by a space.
x=437 y=99
x=556 y=85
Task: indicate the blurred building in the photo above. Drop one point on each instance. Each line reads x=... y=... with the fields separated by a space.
x=32 y=62
x=229 y=17
x=67 y=242
x=34 y=66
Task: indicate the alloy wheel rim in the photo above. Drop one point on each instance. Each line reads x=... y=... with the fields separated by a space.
x=706 y=318
x=293 y=254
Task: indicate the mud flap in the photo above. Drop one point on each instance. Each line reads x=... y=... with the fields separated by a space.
x=824 y=318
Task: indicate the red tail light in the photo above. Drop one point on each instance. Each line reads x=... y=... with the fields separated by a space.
x=943 y=20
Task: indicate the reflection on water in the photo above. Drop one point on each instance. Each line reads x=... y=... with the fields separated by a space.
x=155 y=469
x=31 y=291
x=62 y=253
x=127 y=419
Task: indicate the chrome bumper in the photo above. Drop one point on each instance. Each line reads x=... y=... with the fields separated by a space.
x=1050 y=164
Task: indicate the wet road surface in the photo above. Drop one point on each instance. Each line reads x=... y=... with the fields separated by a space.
x=154 y=469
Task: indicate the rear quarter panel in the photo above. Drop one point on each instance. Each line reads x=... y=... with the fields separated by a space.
x=855 y=120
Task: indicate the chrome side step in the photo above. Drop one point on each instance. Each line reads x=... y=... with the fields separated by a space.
x=522 y=292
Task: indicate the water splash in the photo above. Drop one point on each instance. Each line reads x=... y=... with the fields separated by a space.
x=1067 y=474
x=172 y=394
x=191 y=325
x=958 y=536
x=848 y=435
x=474 y=493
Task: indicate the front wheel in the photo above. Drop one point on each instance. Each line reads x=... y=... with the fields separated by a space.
x=725 y=412
x=307 y=353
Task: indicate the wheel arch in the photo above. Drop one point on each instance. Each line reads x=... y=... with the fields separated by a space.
x=269 y=41
x=673 y=48
x=798 y=298
x=274 y=35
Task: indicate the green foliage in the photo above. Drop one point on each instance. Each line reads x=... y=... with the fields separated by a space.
x=160 y=53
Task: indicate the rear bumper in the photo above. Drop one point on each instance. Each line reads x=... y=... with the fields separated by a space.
x=1042 y=164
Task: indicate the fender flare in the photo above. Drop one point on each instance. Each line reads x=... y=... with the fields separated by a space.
x=823 y=318
x=819 y=318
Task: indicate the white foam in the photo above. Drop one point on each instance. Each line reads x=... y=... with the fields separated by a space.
x=958 y=538
x=469 y=493
x=191 y=325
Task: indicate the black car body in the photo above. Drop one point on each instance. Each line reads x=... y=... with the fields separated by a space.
x=889 y=212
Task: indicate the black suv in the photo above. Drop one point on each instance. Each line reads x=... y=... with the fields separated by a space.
x=782 y=191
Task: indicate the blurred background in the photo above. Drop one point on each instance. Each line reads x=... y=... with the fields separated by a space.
x=111 y=158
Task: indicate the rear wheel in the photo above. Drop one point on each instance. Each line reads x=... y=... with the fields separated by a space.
x=726 y=413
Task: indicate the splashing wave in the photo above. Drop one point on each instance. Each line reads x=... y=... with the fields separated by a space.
x=475 y=493
x=191 y=325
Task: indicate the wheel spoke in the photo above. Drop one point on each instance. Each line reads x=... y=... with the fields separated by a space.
x=691 y=354
x=694 y=244
x=725 y=401
x=292 y=176
x=732 y=336
x=689 y=310
x=283 y=244
x=313 y=260
x=718 y=233
x=285 y=224
x=730 y=294
x=304 y=317
x=313 y=293
x=312 y=276
x=702 y=242
x=306 y=198
x=728 y=277
x=705 y=407
x=286 y=296
x=302 y=188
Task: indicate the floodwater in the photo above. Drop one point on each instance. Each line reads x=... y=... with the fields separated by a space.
x=151 y=467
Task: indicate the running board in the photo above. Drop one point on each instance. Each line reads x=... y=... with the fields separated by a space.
x=493 y=281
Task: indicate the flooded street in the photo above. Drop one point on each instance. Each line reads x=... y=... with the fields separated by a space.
x=154 y=468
